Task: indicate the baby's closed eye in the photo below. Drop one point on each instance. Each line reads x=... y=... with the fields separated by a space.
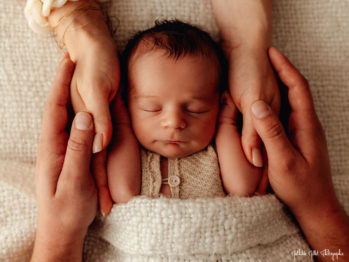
x=149 y=107
x=197 y=109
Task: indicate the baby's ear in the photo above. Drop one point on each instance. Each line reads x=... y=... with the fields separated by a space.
x=228 y=111
x=119 y=112
x=225 y=98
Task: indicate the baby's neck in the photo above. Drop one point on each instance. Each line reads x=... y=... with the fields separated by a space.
x=164 y=167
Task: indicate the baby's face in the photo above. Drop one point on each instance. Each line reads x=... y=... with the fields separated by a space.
x=173 y=103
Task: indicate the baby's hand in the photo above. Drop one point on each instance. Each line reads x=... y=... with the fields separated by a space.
x=238 y=175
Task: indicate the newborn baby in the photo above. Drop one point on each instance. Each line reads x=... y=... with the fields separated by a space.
x=173 y=82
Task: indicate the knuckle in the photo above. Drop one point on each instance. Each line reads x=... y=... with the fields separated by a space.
x=288 y=164
x=274 y=130
x=77 y=145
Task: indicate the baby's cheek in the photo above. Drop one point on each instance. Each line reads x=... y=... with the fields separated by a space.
x=140 y=128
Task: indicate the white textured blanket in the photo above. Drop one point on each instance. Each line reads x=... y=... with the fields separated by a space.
x=226 y=229
x=315 y=36
x=223 y=229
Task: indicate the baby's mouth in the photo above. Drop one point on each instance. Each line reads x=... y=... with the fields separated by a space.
x=173 y=141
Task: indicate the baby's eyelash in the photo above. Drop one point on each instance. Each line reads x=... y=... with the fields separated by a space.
x=153 y=111
x=197 y=112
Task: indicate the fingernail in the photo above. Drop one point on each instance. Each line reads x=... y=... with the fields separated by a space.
x=257 y=158
x=97 y=143
x=260 y=109
x=83 y=121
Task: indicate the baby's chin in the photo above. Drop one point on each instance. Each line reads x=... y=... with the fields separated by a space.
x=174 y=150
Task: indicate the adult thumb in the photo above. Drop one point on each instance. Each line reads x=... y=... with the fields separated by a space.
x=79 y=149
x=271 y=131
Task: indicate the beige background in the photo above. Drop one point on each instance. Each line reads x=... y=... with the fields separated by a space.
x=314 y=34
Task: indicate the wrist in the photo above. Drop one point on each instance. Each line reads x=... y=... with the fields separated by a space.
x=56 y=245
x=326 y=228
x=51 y=234
x=256 y=40
x=329 y=210
x=250 y=51
x=80 y=25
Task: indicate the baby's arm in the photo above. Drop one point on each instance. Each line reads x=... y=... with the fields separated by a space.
x=238 y=175
x=123 y=161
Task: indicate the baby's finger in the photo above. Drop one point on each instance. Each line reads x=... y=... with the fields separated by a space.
x=100 y=175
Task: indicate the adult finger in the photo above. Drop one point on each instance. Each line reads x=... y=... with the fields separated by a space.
x=55 y=115
x=100 y=174
x=250 y=142
x=304 y=123
x=79 y=149
x=52 y=146
x=99 y=107
x=270 y=130
x=264 y=182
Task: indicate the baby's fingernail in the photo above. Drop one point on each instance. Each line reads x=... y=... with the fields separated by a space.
x=260 y=109
x=257 y=158
x=97 y=143
x=83 y=121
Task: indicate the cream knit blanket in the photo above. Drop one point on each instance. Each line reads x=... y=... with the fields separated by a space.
x=314 y=34
x=231 y=228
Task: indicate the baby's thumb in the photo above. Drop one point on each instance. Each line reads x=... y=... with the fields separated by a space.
x=271 y=131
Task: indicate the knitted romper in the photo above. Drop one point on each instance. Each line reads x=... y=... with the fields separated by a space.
x=194 y=176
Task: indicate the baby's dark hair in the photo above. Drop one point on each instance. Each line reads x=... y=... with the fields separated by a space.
x=177 y=39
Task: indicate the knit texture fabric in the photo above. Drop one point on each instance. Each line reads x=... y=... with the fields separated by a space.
x=314 y=34
x=193 y=176
x=216 y=229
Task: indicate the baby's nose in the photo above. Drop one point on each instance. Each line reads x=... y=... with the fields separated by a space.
x=173 y=120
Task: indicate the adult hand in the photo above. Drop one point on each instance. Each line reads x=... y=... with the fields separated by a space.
x=66 y=192
x=245 y=28
x=94 y=84
x=81 y=26
x=299 y=169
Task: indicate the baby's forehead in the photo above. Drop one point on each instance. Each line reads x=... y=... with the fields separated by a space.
x=150 y=47
x=154 y=63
